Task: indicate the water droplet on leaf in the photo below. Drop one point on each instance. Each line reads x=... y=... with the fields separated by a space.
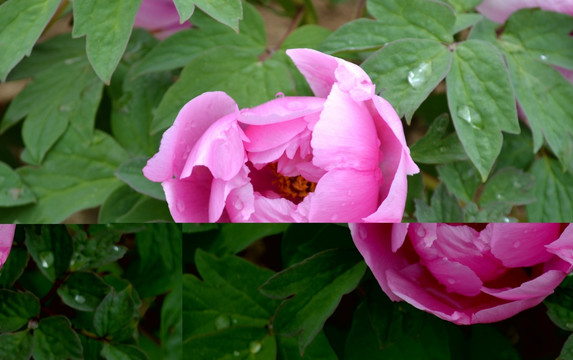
x=79 y=299
x=255 y=347
x=222 y=322
x=46 y=259
x=543 y=57
x=418 y=76
x=471 y=116
x=236 y=353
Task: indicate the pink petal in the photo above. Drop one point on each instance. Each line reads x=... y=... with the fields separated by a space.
x=280 y=110
x=499 y=11
x=317 y=68
x=373 y=242
x=189 y=199
x=345 y=136
x=275 y=210
x=455 y=276
x=159 y=17
x=191 y=122
x=220 y=149
x=563 y=247
x=542 y=285
x=6 y=238
x=503 y=311
x=520 y=245
x=265 y=137
x=220 y=190
x=345 y=195
x=399 y=232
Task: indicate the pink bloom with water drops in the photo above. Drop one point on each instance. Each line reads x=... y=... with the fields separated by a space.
x=160 y=17
x=467 y=274
x=339 y=156
x=6 y=237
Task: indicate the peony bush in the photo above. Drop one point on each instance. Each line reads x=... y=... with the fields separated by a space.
x=467 y=274
x=339 y=156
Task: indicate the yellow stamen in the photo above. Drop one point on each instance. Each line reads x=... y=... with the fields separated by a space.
x=294 y=188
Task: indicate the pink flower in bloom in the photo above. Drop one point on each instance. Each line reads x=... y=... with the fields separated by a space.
x=499 y=10
x=467 y=274
x=160 y=17
x=339 y=156
x=6 y=237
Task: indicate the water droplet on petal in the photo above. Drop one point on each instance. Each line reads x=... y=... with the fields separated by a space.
x=295 y=105
x=46 y=259
x=362 y=232
x=516 y=244
x=180 y=206
x=279 y=95
x=255 y=347
x=421 y=232
x=418 y=76
x=451 y=281
x=334 y=217
x=471 y=116
x=238 y=204
x=222 y=322
x=79 y=299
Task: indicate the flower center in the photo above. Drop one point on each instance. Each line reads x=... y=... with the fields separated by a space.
x=294 y=188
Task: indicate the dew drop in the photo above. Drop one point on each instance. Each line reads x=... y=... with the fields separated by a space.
x=421 y=232
x=506 y=219
x=234 y=321
x=569 y=325
x=334 y=217
x=471 y=116
x=238 y=204
x=222 y=322
x=46 y=259
x=115 y=248
x=79 y=299
x=516 y=244
x=15 y=193
x=517 y=184
x=418 y=76
x=498 y=196
x=451 y=281
x=279 y=95
x=236 y=353
x=255 y=347
x=295 y=105
x=65 y=108
x=180 y=206
x=543 y=57
x=362 y=232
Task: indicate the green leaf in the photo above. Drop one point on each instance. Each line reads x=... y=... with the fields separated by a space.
x=243 y=76
x=130 y=172
x=436 y=147
x=22 y=24
x=114 y=318
x=463 y=5
x=444 y=207
x=122 y=352
x=16 y=308
x=12 y=191
x=51 y=249
x=14 y=266
x=233 y=343
x=559 y=308
x=314 y=288
x=382 y=329
x=227 y=12
x=107 y=25
x=232 y=238
x=516 y=150
x=418 y=19
x=481 y=102
x=171 y=329
x=318 y=349
x=55 y=339
x=16 y=346
x=77 y=174
x=545 y=96
x=543 y=35
x=179 y=49
x=460 y=179
x=64 y=91
x=301 y=241
x=494 y=212
x=307 y=36
x=132 y=112
x=406 y=71
x=159 y=268
x=96 y=249
x=83 y=291
x=498 y=345
x=464 y=21
x=125 y=205
x=567 y=351
x=553 y=190
x=508 y=185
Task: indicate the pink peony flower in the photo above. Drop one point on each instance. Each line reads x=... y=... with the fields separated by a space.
x=467 y=274
x=339 y=156
x=6 y=237
x=160 y=17
x=499 y=11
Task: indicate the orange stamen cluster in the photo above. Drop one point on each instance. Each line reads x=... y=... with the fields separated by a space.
x=294 y=188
